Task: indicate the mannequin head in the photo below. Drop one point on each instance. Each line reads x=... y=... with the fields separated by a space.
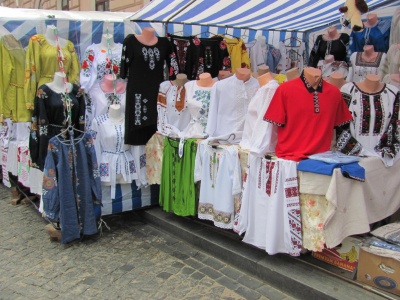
x=107 y=85
x=292 y=73
x=243 y=74
x=148 y=36
x=205 y=80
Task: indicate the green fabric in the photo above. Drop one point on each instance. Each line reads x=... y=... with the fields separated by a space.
x=177 y=189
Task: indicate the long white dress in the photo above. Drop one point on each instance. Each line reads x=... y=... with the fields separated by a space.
x=173 y=113
x=373 y=121
x=269 y=213
x=229 y=101
x=220 y=175
x=254 y=124
x=115 y=159
x=360 y=69
x=95 y=66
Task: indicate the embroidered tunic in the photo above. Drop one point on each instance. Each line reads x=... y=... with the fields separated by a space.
x=220 y=175
x=230 y=99
x=360 y=69
x=173 y=113
x=269 y=214
x=71 y=186
x=42 y=63
x=143 y=66
x=305 y=117
x=322 y=47
x=115 y=159
x=327 y=69
x=95 y=66
x=375 y=129
x=49 y=119
x=237 y=53
x=214 y=56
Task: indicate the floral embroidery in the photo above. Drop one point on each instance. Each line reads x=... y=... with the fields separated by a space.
x=43 y=130
x=48 y=182
x=143 y=160
x=132 y=166
x=104 y=170
x=222 y=45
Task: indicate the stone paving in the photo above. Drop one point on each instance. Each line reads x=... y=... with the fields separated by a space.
x=132 y=260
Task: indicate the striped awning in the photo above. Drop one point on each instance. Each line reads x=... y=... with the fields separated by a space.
x=282 y=15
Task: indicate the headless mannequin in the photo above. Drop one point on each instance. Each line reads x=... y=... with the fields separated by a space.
x=292 y=74
x=107 y=85
x=371 y=84
x=265 y=78
x=115 y=114
x=337 y=79
x=147 y=37
x=51 y=37
x=329 y=59
x=243 y=74
x=332 y=34
x=180 y=80
x=372 y=20
x=224 y=74
x=369 y=55
x=104 y=43
x=205 y=80
x=57 y=85
x=313 y=76
x=261 y=70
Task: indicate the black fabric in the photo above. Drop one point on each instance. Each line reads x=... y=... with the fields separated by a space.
x=338 y=48
x=214 y=56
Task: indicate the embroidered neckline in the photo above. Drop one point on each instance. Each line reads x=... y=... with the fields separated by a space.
x=366 y=93
x=308 y=86
x=376 y=63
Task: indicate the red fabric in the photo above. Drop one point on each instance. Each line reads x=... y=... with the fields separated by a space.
x=301 y=131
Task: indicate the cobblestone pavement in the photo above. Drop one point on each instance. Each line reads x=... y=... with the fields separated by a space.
x=133 y=260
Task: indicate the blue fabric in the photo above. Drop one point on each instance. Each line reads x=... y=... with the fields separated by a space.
x=273 y=58
x=349 y=170
x=373 y=241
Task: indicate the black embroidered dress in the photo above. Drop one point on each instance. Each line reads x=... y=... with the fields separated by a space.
x=322 y=47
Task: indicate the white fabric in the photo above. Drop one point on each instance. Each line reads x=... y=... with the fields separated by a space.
x=370 y=140
x=255 y=128
x=391 y=64
x=270 y=206
x=358 y=73
x=198 y=101
x=220 y=175
x=395 y=28
x=139 y=154
x=115 y=159
x=336 y=66
x=292 y=57
x=170 y=121
x=388 y=79
x=19 y=137
x=36 y=181
x=229 y=101
x=257 y=53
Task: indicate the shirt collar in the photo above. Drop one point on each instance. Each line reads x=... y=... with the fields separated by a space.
x=309 y=88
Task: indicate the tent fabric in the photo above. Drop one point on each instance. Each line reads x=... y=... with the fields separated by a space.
x=266 y=15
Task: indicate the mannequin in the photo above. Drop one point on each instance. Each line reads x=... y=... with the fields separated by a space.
x=205 y=80
x=329 y=59
x=180 y=80
x=371 y=84
x=147 y=37
x=313 y=76
x=57 y=85
x=115 y=114
x=107 y=84
x=337 y=79
x=292 y=74
x=262 y=69
x=372 y=20
x=332 y=33
x=104 y=43
x=224 y=74
x=265 y=78
x=369 y=55
x=243 y=74
x=51 y=37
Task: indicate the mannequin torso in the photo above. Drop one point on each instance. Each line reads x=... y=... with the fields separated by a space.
x=243 y=74
x=369 y=55
x=292 y=73
x=205 y=80
x=329 y=59
x=115 y=114
x=313 y=76
x=265 y=78
x=57 y=85
x=224 y=74
x=332 y=34
x=337 y=79
x=51 y=37
x=147 y=37
x=180 y=80
x=371 y=84
x=105 y=38
x=372 y=20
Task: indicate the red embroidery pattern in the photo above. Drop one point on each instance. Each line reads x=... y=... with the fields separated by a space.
x=269 y=167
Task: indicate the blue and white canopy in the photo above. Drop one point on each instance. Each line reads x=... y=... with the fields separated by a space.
x=282 y=15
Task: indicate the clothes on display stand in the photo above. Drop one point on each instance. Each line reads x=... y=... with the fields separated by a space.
x=237 y=53
x=391 y=64
x=214 y=56
x=329 y=66
x=293 y=55
x=360 y=67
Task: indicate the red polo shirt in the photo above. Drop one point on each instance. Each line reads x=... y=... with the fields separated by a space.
x=306 y=117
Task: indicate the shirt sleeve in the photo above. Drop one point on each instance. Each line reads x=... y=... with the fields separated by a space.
x=237 y=174
x=88 y=72
x=94 y=131
x=93 y=166
x=213 y=111
x=198 y=165
x=276 y=112
x=126 y=57
x=75 y=68
x=5 y=74
x=32 y=71
x=50 y=198
x=314 y=55
x=343 y=115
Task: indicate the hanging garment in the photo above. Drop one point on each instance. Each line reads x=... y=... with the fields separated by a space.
x=42 y=63
x=229 y=101
x=198 y=102
x=49 y=119
x=374 y=130
x=391 y=63
x=177 y=189
x=273 y=58
x=322 y=47
x=395 y=28
x=115 y=159
x=95 y=66
x=214 y=56
x=71 y=196
x=173 y=113
x=378 y=36
x=187 y=51
x=12 y=99
x=305 y=117
x=143 y=66
x=254 y=125
x=220 y=175
x=238 y=53
x=327 y=69
x=257 y=52
x=24 y=162
x=269 y=214
x=291 y=57
x=360 y=69
x=154 y=153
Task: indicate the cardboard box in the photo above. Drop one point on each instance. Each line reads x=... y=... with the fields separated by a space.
x=344 y=256
x=379 y=271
